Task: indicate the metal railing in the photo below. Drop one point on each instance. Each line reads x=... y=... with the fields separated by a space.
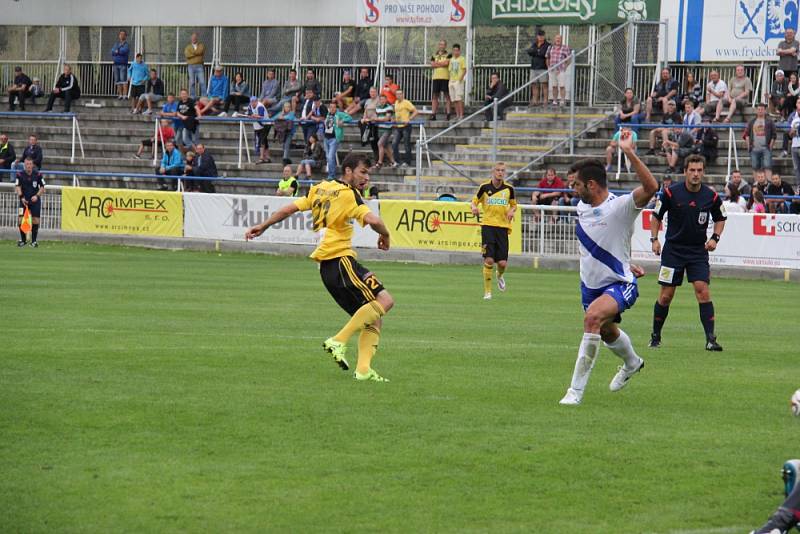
x=77 y=140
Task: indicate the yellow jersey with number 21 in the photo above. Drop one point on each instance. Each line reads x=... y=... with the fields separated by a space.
x=334 y=205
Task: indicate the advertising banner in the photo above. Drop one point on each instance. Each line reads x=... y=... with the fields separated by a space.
x=228 y=216
x=440 y=226
x=531 y=12
x=727 y=30
x=749 y=240
x=121 y=211
x=411 y=13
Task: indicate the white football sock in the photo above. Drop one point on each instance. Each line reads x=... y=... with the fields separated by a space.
x=587 y=355
x=623 y=348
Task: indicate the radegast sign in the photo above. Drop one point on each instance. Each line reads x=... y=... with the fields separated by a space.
x=530 y=12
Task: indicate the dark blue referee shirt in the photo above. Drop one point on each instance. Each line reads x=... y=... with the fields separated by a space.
x=689 y=214
x=29 y=183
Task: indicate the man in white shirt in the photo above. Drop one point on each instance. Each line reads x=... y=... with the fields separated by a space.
x=608 y=281
x=716 y=95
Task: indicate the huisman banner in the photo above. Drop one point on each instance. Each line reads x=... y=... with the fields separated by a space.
x=530 y=12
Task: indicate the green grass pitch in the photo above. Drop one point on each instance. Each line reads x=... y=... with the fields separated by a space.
x=153 y=391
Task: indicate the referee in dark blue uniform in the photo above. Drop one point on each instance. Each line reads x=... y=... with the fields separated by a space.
x=29 y=185
x=689 y=205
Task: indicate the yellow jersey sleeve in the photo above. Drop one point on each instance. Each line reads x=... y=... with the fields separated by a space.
x=478 y=198
x=304 y=203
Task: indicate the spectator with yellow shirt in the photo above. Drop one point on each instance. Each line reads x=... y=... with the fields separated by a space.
x=440 y=62
x=404 y=112
x=458 y=71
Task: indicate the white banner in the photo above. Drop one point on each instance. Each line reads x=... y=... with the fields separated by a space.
x=749 y=240
x=727 y=30
x=411 y=13
x=212 y=216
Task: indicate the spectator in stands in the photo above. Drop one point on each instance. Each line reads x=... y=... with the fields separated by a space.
x=195 y=53
x=777 y=187
x=709 y=141
x=19 y=90
x=760 y=135
x=664 y=92
x=550 y=181
x=740 y=92
x=218 y=90
x=367 y=125
x=171 y=165
x=346 y=93
x=756 y=202
x=188 y=170
x=716 y=96
x=496 y=90
x=390 y=89
x=312 y=83
x=270 y=90
x=36 y=89
x=691 y=90
x=153 y=93
x=679 y=144
x=440 y=62
x=666 y=183
x=363 y=86
x=611 y=150
x=691 y=119
x=570 y=198
x=670 y=118
x=170 y=109
x=457 y=85
x=558 y=64
x=138 y=74
x=404 y=112
x=736 y=182
x=313 y=156
x=190 y=127
x=734 y=203
x=788 y=49
x=334 y=134
x=284 y=129
x=760 y=182
x=792 y=92
x=777 y=93
x=288 y=186
x=7 y=155
x=307 y=106
x=290 y=92
x=239 y=94
x=384 y=115
x=120 y=55
x=33 y=152
x=629 y=110
x=257 y=110
x=204 y=165
x=167 y=134
x=538 y=52
x=66 y=87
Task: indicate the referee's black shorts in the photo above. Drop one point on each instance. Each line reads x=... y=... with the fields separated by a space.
x=350 y=284
x=34 y=207
x=494 y=242
x=674 y=262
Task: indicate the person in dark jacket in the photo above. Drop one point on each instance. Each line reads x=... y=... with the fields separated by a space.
x=33 y=151
x=7 y=155
x=496 y=90
x=120 y=53
x=66 y=87
x=20 y=90
x=538 y=53
x=204 y=165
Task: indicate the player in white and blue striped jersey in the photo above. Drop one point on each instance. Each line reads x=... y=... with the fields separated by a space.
x=608 y=283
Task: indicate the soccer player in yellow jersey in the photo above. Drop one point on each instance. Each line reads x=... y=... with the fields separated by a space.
x=334 y=205
x=499 y=206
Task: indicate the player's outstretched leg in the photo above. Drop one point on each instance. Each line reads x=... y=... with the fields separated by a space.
x=622 y=347
x=367 y=314
x=587 y=356
x=487 y=278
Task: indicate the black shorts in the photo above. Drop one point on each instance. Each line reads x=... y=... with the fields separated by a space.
x=263 y=137
x=35 y=207
x=350 y=284
x=136 y=91
x=494 y=242
x=441 y=86
x=674 y=263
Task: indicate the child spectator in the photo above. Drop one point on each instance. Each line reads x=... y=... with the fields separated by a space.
x=167 y=134
x=313 y=156
x=756 y=203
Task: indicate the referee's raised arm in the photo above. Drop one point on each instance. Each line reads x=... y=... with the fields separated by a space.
x=649 y=187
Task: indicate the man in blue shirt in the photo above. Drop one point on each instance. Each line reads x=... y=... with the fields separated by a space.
x=218 y=89
x=29 y=186
x=171 y=165
x=138 y=73
x=119 y=54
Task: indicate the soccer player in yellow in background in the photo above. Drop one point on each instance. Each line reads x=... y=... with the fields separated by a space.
x=334 y=204
x=499 y=206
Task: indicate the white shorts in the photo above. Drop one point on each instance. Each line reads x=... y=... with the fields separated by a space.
x=456 y=90
x=558 y=79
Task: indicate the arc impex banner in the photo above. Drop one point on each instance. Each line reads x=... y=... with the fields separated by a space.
x=531 y=12
x=439 y=226
x=121 y=211
x=749 y=240
x=727 y=30
x=228 y=216
x=401 y=13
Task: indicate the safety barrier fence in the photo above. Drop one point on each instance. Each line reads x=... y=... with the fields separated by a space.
x=77 y=140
